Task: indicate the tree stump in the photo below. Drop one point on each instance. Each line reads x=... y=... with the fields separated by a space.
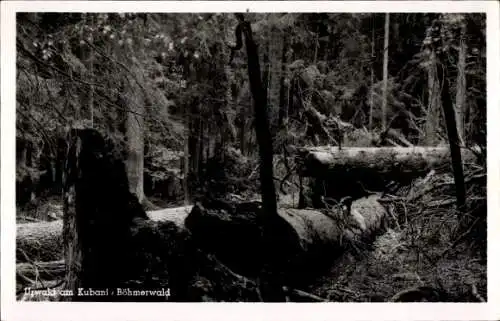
x=98 y=213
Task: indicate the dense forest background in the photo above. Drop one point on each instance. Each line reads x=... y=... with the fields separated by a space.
x=168 y=90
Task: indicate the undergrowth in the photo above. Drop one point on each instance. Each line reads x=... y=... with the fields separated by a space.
x=430 y=251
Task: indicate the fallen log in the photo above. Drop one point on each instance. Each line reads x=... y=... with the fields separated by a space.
x=42 y=241
x=309 y=240
x=359 y=171
x=387 y=160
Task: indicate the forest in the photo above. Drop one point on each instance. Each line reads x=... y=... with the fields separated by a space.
x=255 y=157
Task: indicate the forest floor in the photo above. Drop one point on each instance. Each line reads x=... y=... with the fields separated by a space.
x=420 y=250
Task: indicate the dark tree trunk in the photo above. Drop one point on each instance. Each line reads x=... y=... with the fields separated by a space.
x=453 y=137
x=276 y=232
x=98 y=213
x=264 y=138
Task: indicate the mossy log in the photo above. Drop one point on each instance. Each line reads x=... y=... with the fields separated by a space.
x=305 y=239
x=359 y=171
x=391 y=161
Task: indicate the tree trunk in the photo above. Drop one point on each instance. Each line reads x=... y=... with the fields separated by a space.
x=134 y=133
x=372 y=76
x=454 y=141
x=385 y=72
x=275 y=75
x=460 y=102
x=98 y=212
x=275 y=230
x=433 y=110
x=91 y=73
x=262 y=130
x=283 y=99
x=364 y=170
x=186 y=171
x=390 y=161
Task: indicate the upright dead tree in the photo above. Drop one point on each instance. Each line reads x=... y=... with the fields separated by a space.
x=264 y=138
x=453 y=136
x=460 y=100
x=277 y=233
x=386 y=72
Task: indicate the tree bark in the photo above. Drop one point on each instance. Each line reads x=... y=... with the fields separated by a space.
x=263 y=133
x=363 y=171
x=390 y=161
x=98 y=212
x=453 y=139
x=275 y=75
x=186 y=169
x=134 y=133
x=433 y=110
x=283 y=99
x=385 y=72
x=460 y=101
x=372 y=76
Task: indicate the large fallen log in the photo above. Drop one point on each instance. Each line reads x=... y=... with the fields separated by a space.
x=387 y=160
x=309 y=239
x=358 y=171
x=42 y=241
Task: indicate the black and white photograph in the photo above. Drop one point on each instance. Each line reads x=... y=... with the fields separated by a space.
x=250 y=156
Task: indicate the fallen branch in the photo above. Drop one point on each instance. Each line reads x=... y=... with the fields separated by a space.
x=302 y=294
x=44 y=270
x=419 y=294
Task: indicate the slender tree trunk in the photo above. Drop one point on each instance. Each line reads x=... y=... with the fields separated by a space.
x=460 y=105
x=185 y=182
x=372 y=77
x=262 y=130
x=385 y=72
x=316 y=47
x=91 y=73
x=275 y=59
x=454 y=140
x=283 y=101
x=432 y=119
x=134 y=133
